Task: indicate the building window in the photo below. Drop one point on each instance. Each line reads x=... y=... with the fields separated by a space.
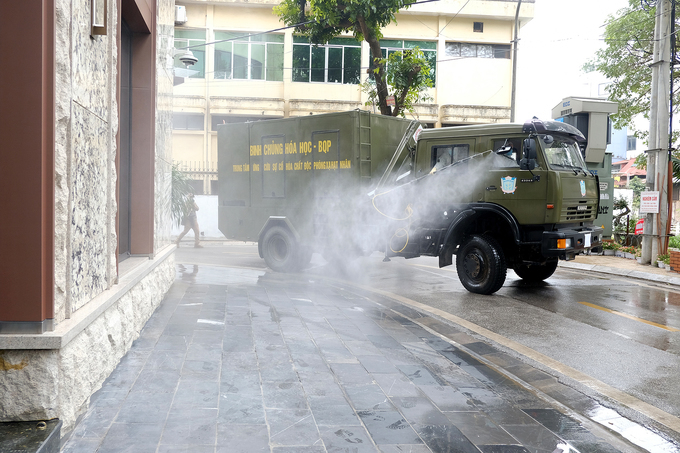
x=478 y=27
x=631 y=144
x=244 y=56
x=429 y=49
x=187 y=121
x=339 y=61
x=470 y=50
x=216 y=120
x=189 y=38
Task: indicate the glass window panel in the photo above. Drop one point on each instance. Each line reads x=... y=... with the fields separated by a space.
x=222 y=64
x=391 y=43
x=432 y=61
x=422 y=44
x=221 y=35
x=301 y=63
x=274 y=62
x=452 y=49
x=240 y=61
x=318 y=64
x=199 y=65
x=257 y=61
x=257 y=37
x=501 y=51
x=484 y=51
x=195 y=122
x=344 y=42
x=274 y=38
x=190 y=34
x=352 y=64
x=468 y=50
x=335 y=64
x=300 y=39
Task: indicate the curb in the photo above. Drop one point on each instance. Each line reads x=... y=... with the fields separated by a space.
x=672 y=279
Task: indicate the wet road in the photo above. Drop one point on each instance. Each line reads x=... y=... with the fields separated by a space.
x=612 y=338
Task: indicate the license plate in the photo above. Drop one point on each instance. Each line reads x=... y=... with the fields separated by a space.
x=587 y=239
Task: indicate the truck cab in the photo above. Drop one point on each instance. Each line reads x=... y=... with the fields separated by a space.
x=495 y=196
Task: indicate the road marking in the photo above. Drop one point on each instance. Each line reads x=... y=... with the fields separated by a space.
x=634 y=318
x=606 y=390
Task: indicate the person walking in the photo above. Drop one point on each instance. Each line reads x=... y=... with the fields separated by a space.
x=190 y=221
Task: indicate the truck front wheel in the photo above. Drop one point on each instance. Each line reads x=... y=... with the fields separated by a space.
x=535 y=272
x=481 y=265
x=280 y=250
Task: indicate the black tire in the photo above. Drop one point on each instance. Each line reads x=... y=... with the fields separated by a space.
x=481 y=265
x=305 y=257
x=280 y=250
x=535 y=272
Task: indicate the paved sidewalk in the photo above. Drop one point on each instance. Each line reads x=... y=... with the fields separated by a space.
x=238 y=360
x=623 y=267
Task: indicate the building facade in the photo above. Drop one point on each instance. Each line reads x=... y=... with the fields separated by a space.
x=86 y=125
x=251 y=67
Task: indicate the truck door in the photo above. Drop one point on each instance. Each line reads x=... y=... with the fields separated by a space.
x=522 y=192
x=442 y=169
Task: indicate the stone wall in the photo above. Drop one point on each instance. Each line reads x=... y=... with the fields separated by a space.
x=85 y=153
x=98 y=313
x=45 y=383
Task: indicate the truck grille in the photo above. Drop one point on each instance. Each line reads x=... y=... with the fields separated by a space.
x=578 y=212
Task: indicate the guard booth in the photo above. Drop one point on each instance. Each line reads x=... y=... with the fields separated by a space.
x=591 y=117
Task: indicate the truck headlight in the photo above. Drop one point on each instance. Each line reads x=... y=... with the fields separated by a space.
x=564 y=243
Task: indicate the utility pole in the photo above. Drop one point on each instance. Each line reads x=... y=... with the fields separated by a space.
x=654 y=239
x=515 y=42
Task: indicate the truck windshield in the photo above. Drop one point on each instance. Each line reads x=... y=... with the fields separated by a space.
x=562 y=153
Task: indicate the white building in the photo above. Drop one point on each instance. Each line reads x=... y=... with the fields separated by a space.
x=244 y=74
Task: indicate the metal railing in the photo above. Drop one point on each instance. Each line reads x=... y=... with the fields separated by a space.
x=202 y=175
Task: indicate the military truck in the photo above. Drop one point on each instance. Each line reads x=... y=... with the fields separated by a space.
x=494 y=196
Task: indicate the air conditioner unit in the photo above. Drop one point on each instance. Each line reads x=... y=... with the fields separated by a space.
x=180 y=15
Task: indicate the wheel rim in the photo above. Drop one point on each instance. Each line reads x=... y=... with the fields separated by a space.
x=278 y=248
x=475 y=265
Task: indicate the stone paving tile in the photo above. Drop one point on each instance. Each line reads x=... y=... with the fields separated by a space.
x=242 y=438
x=132 y=437
x=396 y=385
x=292 y=368
x=346 y=439
x=292 y=428
x=480 y=429
x=445 y=439
x=389 y=427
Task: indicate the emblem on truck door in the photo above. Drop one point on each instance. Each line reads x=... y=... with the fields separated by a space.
x=583 y=188
x=508 y=184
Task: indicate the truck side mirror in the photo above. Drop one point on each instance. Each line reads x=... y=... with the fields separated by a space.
x=530 y=148
x=527 y=164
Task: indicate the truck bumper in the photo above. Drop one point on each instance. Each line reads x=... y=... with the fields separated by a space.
x=567 y=243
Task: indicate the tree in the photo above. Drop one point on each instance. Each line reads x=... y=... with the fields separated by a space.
x=181 y=189
x=638 y=186
x=322 y=20
x=626 y=58
x=408 y=73
x=625 y=61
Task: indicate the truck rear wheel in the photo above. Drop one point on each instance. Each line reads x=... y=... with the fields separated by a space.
x=280 y=250
x=535 y=272
x=481 y=265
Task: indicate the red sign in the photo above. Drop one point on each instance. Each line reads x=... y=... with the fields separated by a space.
x=639 y=226
x=390 y=100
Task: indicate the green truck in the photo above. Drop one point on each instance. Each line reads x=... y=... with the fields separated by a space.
x=342 y=184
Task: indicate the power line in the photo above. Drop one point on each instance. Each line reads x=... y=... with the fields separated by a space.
x=286 y=28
